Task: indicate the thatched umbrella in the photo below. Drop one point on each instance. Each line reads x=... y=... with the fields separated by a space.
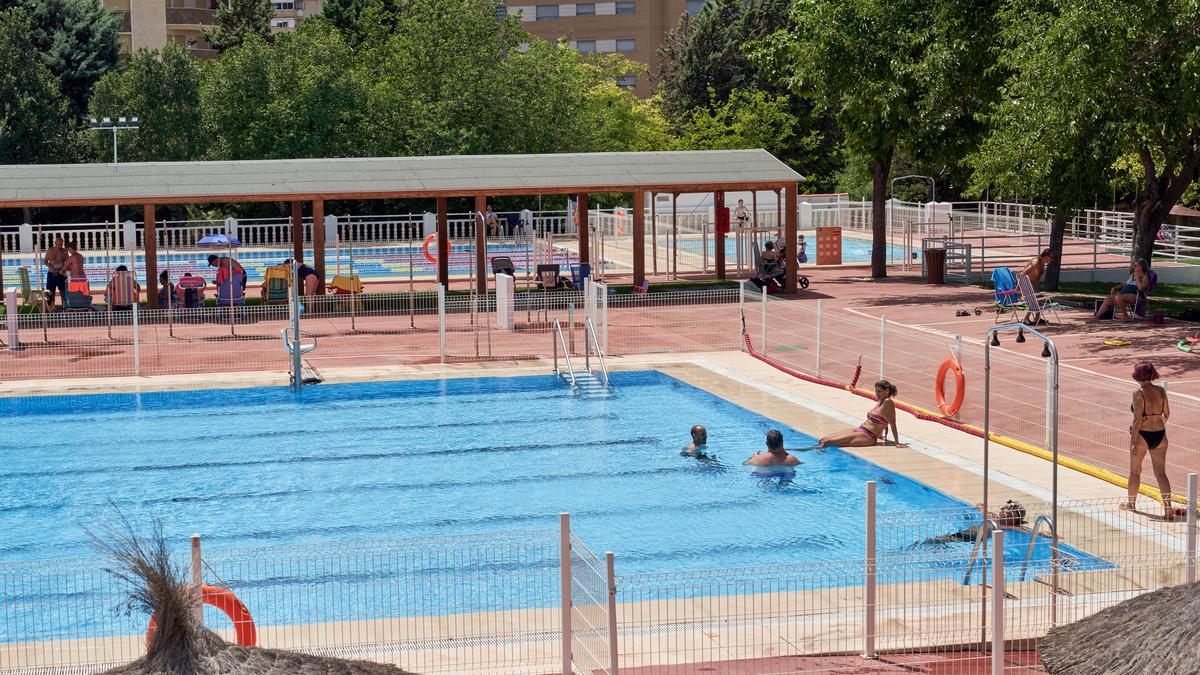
x=181 y=645
x=1152 y=633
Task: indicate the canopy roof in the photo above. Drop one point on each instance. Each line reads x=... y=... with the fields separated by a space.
x=389 y=177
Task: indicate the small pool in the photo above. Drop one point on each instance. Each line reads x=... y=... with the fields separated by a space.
x=853 y=250
x=387 y=460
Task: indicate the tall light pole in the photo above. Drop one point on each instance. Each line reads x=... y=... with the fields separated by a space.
x=121 y=124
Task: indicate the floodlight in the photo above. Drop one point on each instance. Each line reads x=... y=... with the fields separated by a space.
x=106 y=120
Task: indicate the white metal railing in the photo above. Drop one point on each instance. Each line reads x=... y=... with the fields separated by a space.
x=591 y=341
x=557 y=340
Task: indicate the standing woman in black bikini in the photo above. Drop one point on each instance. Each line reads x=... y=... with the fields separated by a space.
x=1148 y=433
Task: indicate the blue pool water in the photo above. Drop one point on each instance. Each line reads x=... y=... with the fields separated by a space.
x=390 y=460
x=853 y=250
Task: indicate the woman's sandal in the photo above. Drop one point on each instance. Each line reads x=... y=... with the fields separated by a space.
x=1128 y=505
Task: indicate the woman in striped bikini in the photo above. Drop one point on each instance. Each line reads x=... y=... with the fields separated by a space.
x=875 y=427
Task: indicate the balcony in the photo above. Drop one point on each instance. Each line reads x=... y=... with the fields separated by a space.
x=191 y=16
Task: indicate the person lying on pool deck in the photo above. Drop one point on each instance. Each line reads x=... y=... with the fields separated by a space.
x=699 y=440
x=775 y=455
x=1011 y=516
x=878 y=419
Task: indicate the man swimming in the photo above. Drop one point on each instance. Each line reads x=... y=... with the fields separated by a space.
x=776 y=455
x=699 y=441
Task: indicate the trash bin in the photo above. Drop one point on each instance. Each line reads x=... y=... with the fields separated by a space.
x=935 y=265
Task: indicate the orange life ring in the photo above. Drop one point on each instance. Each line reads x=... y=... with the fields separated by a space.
x=224 y=600
x=425 y=248
x=960 y=390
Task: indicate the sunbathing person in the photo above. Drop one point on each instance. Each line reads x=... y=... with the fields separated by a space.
x=878 y=419
x=1123 y=296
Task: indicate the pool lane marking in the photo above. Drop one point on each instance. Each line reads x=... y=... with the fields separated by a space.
x=997 y=476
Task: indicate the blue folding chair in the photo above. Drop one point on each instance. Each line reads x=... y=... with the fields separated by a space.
x=1007 y=294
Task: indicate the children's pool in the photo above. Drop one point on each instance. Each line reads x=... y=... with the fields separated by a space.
x=379 y=461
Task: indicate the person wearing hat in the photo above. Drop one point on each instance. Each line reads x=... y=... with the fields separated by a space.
x=1037 y=267
x=224 y=263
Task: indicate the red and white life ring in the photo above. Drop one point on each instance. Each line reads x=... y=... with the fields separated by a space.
x=432 y=239
x=960 y=390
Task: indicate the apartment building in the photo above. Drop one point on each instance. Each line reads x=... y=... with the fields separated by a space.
x=151 y=23
x=632 y=28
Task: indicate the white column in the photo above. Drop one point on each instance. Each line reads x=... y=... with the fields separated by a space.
x=198 y=577
x=613 y=647
x=441 y=300
x=10 y=317
x=564 y=566
x=998 y=602
x=869 y=582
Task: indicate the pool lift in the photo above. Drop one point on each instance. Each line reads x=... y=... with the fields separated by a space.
x=587 y=382
x=292 y=338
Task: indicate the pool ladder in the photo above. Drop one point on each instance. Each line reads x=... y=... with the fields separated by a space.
x=989 y=526
x=589 y=381
x=295 y=349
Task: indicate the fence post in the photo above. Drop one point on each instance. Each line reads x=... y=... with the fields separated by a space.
x=1049 y=402
x=198 y=577
x=441 y=302
x=958 y=350
x=137 y=357
x=613 y=651
x=869 y=582
x=1191 y=527
x=564 y=567
x=10 y=317
x=820 y=312
x=882 y=343
x=762 y=348
x=998 y=602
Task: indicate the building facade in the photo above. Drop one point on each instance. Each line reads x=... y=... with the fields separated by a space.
x=149 y=24
x=633 y=28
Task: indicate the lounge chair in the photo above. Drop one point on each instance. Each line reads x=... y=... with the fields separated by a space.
x=549 y=277
x=276 y=281
x=79 y=296
x=350 y=285
x=579 y=273
x=190 y=290
x=1007 y=294
x=123 y=291
x=768 y=276
x=232 y=293
x=31 y=300
x=1036 y=306
x=1141 y=306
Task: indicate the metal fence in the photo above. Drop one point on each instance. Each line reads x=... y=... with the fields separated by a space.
x=1093 y=409
x=949 y=589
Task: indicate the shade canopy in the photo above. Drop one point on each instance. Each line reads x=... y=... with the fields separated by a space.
x=134 y=183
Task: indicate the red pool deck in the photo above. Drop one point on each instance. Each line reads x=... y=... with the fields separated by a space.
x=934 y=663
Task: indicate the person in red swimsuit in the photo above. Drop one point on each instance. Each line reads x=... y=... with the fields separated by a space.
x=875 y=427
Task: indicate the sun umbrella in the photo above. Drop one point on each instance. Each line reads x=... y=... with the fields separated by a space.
x=1151 y=633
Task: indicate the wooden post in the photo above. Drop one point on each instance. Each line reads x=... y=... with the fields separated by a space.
x=789 y=238
x=481 y=259
x=318 y=242
x=298 y=231
x=719 y=237
x=639 y=238
x=150 y=244
x=581 y=214
x=443 y=243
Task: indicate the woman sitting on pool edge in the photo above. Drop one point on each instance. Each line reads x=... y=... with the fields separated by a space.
x=878 y=419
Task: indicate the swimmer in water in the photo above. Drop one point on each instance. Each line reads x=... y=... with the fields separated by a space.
x=775 y=456
x=699 y=440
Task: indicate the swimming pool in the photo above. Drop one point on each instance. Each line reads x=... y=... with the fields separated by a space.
x=368 y=262
x=388 y=460
x=853 y=250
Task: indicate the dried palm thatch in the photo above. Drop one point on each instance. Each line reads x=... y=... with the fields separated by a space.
x=181 y=645
x=1152 y=633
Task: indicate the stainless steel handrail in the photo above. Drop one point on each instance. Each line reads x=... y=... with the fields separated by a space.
x=566 y=352
x=591 y=330
x=986 y=528
x=1033 y=540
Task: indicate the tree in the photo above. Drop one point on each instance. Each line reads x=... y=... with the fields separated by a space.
x=299 y=97
x=238 y=20
x=76 y=39
x=358 y=19
x=35 y=119
x=895 y=74
x=1097 y=81
x=711 y=62
x=163 y=88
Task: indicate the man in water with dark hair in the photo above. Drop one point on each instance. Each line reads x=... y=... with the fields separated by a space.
x=775 y=455
x=699 y=441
